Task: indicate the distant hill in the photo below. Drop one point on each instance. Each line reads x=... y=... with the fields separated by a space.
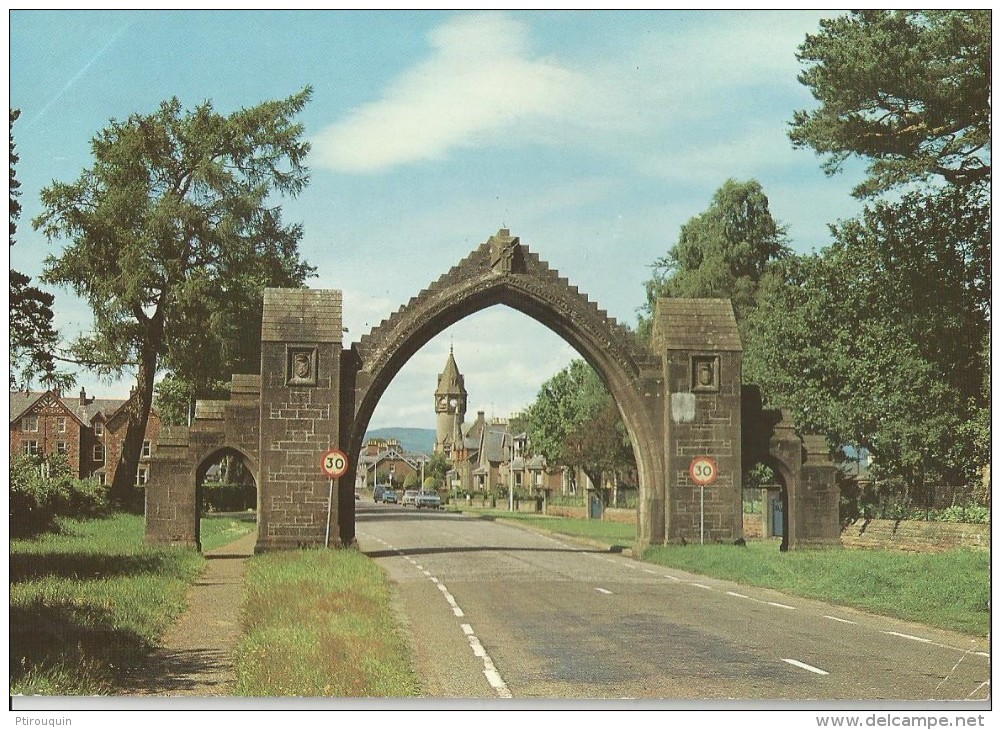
x=411 y=439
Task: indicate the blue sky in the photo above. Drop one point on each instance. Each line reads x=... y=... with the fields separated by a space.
x=593 y=136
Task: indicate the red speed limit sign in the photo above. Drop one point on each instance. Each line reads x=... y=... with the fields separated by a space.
x=334 y=463
x=703 y=470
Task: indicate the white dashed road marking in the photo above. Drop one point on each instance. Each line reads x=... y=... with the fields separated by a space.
x=842 y=620
x=602 y=590
x=807 y=667
x=489 y=670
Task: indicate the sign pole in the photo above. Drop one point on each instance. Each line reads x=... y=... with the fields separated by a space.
x=702 y=515
x=703 y=471
x=334 y=464
x=330 y=505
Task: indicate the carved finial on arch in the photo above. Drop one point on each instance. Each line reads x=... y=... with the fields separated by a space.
x=505 y=253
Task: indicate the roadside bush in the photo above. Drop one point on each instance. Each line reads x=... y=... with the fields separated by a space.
x=972 y=514
x=43 y=490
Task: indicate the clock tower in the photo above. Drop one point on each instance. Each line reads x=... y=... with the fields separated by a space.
x=449 y=406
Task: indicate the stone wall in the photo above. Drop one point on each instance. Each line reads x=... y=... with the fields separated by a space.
x=915 y=535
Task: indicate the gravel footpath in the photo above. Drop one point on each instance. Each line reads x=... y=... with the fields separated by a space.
x=196 y=656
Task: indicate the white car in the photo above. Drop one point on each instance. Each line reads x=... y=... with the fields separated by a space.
x=409 y=497
x=428 y=498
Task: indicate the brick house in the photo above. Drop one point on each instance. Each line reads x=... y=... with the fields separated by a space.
x=385 y=460
x=88 y=431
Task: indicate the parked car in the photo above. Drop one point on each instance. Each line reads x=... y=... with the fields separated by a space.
x=389 y=496
x=378 y=492
x=429 y=499
x=409 y=497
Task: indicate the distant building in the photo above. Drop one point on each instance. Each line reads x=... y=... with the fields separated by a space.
x=88 y=431
x=485 y=455
x=385 y=461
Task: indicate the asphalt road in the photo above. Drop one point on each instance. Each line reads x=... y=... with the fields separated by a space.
x=498 y=611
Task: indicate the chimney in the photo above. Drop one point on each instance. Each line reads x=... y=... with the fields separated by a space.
x=83 y=397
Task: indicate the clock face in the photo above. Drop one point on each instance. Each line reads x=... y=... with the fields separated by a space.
x=454 y=402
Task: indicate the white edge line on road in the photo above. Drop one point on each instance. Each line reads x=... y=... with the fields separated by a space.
x=935 y=643
x=736 y=595
x=842 y=620
x=807 y=667
x=908 y=636
x=700 y=585
x=780 y=605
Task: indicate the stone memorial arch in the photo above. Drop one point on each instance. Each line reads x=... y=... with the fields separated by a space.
x=679 y=399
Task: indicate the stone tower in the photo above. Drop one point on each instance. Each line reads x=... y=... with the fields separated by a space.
x=449 y=405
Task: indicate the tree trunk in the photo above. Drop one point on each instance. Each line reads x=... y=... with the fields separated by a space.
x=123 y=492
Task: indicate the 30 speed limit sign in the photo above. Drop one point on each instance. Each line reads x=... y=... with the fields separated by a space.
x=334 y=463
x=703 y=470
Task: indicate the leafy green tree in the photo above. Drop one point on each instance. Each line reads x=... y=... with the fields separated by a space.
x=723 y=252
x=436 y=469
x=879 y=340
x=173 y=222
x=33 y=339
x=599 y=446
x=574 y=422
x=908 y=91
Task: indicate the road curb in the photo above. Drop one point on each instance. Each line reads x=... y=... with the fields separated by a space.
x=576 y=539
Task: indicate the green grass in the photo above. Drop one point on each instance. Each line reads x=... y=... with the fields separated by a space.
x=950 y=590
x=319 y=623
x=88 y=605
x=219 y=530
x=614 y=533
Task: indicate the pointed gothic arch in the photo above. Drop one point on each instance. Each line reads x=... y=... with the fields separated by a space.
x=679 y=399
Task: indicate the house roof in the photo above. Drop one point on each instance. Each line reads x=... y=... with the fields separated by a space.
x=92 y=408
x=21 y=402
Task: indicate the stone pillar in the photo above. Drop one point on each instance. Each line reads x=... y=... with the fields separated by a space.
x=301 y=337
x=171 y=514
x=701 y=350
x=817 y=510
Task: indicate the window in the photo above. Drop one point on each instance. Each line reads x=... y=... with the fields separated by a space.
x=60 y=425
x=98 y=428
x=142 y=476
x=99 y=452
x=31 y=448
x=147 y=449
x=517 y=479
x=62 y=448
x=29 y=424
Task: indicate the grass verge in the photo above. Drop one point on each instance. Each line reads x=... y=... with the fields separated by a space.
x=614 y=533
x=319 y=623
x=87 y=605
x=949 y=590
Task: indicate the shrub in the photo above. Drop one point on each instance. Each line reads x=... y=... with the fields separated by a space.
x=973 y=514
x=42 y=490
x=228 y=497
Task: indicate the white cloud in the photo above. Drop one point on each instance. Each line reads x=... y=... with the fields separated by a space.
x=479 y=81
